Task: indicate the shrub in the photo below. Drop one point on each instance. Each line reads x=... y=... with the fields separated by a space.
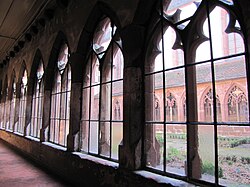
x=245 y=160
x=173 y=154
x=208 y=168
x=160 y=138
x=236 y=142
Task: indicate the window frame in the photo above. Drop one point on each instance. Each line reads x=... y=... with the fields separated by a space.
x=64 y=74
x=192 y=120
x=37 y=103
x=102 y=59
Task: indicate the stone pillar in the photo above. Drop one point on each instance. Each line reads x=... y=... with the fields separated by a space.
x=194 y=162
x=193 y=159
x=130 y=151
x=44 y=132
x=73 y=138
x=28 y=114
x=74 y=128
x=17 y=107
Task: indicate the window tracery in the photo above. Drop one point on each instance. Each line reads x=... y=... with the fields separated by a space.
x=37 y=102
x=101 y=128
x=213 y=56
x=237 y=105
x=60 y=99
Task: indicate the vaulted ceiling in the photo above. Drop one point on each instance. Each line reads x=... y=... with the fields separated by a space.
x=16 y=19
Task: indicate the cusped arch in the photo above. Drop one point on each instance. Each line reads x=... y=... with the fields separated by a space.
x=32 y=76
x=153 y=49
x=230 y=89
x=201 y=40
x=195 y=27
x=53 y=58
x=100 y=11
x=12 y=83
x=20 y=77
x=237 y=106
x=203 y=95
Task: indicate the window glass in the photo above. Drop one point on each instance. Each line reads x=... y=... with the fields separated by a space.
x=102 y=105
x=237 y=105
x=165 y=138
x=196 y=100
x=60 y=99
x=183 y=8
x=37 y=102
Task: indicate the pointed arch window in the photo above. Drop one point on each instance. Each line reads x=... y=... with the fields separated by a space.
x=208 y=107
x=101 y=128
x=220 y=62
x=60 y=99
x=37 y=102
x=22 y=103
x=215 y=57
x=164 y=75
x=237 y=105
x=171 y=108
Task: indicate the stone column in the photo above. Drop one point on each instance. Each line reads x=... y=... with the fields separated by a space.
x=28 y=114
x=75 y=114
x=193 y=159
x=73 y=138
x=17 y=107
x=44 y=132
x=194 y=162
x=130 y=151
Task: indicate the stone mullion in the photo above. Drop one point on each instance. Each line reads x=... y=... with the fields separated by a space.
x=17 y=107
x=73 y=140
x=28 y=114
x=130 y=152
x=44 y=136
x=193 y=159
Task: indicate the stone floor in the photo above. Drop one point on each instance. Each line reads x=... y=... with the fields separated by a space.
x=15 y=170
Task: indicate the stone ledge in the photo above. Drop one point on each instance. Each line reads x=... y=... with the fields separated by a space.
x=82 y=169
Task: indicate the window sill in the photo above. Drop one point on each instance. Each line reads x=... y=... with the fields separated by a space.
x=32 y=138
x=58 y=147
x=146 y=174
x=18 y=133
x=163 y=179
x=8 y=130
x=96 y=159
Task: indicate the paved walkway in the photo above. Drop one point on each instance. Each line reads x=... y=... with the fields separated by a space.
x=16 y=171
